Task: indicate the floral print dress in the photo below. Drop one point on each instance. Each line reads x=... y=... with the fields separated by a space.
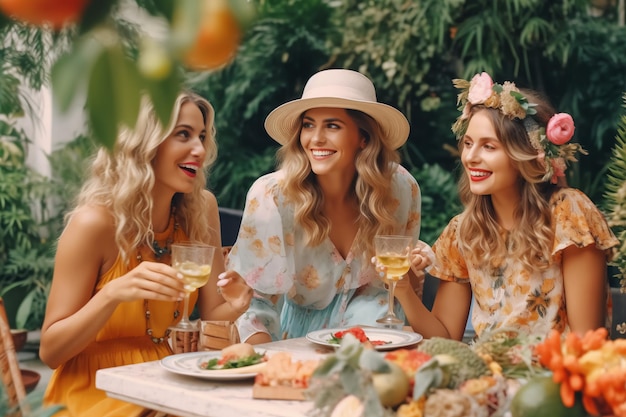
x=300 y=288
x=506 y=294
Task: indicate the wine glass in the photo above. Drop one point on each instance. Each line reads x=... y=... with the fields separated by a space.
x=194 y=262
x=392 y=251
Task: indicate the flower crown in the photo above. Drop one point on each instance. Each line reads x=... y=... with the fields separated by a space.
x=551 y=141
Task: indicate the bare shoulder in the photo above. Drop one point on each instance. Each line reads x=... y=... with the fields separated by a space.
x=87 y=245
x=211 y=202
x=96 y=219
x=210 y=197
x=92 y=221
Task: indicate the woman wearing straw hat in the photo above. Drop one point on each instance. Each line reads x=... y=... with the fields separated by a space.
x=307 y=233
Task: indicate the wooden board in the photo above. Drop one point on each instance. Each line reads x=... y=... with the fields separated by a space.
x=277 y=393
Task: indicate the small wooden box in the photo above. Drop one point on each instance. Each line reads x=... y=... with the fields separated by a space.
x=277 y=393
x=216 y=335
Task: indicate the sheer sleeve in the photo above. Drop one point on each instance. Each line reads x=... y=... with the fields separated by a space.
x=262 y=255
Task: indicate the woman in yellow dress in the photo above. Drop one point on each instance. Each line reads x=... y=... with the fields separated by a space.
x=114 y=294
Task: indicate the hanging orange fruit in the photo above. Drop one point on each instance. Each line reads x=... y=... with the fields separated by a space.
x=56 y=13
x=217 y=39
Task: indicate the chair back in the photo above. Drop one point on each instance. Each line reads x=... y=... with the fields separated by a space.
x=618 y=314
x=230 y=221
x=9 y=366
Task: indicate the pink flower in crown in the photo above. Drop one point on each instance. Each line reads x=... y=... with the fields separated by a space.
x=560 y=128
x=480 y=88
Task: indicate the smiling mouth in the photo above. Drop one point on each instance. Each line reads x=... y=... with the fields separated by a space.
x=321 y=154
x=192 y=169
x=479 y=175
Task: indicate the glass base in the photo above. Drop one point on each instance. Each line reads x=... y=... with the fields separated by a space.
x=186 y=326
x=184 y=340
x=390 y=322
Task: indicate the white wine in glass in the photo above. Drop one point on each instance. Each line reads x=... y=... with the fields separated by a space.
x=392 y=251
x=396 y=265
x=194 y=275
x=194 y=262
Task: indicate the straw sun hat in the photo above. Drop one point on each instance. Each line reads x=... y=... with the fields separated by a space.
x=338 y=88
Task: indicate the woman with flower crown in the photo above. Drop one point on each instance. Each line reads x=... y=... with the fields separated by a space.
x=114 y=294
x=529 y=250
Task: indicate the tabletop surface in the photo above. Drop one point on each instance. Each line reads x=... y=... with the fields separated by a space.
x=150 y=385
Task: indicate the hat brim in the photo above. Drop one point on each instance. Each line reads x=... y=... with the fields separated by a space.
x=284 y=121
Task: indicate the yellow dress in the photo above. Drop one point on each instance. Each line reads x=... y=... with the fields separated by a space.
x=122 y=341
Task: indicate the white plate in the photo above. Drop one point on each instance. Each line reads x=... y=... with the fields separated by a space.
x=396 y=338
x=189 y=364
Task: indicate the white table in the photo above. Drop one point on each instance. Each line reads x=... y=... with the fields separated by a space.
x=149 y=385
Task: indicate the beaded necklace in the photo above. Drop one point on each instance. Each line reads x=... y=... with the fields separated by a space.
x=162 y=254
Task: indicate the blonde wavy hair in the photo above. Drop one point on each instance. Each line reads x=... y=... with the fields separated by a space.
x=122 y=180
x=375 y=166
x=531 y=241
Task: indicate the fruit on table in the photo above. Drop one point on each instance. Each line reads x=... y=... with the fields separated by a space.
x=408 y=359
x=350 y=406
x=39 y=12
x=461 y=362
x=392 y=387
x=540 y=397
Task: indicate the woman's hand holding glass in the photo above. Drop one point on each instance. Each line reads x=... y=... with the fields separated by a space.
x=421 y=257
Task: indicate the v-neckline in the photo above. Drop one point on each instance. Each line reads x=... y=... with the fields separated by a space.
x=349 y=256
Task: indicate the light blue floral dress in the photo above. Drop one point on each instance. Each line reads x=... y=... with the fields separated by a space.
x=300 y=288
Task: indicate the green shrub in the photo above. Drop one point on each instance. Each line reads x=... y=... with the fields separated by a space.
x=615 y=196
x=440 y=201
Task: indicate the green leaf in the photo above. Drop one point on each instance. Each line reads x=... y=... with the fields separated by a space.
x=185 y=24
x=428 y=376
x=327 y=367
x=351 y=381
x=245 y=11
x=70 y=71
x=101 y=102
x=127 y=85
x=349 y=351
x=113 y=94
x=24 y=310
x=374 y=361
x=163 y=94
x=10 y=103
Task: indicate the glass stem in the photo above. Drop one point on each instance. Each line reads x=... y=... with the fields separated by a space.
x=185 y=319
x=392 y=297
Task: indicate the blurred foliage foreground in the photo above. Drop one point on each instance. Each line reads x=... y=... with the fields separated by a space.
x=115 y=65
